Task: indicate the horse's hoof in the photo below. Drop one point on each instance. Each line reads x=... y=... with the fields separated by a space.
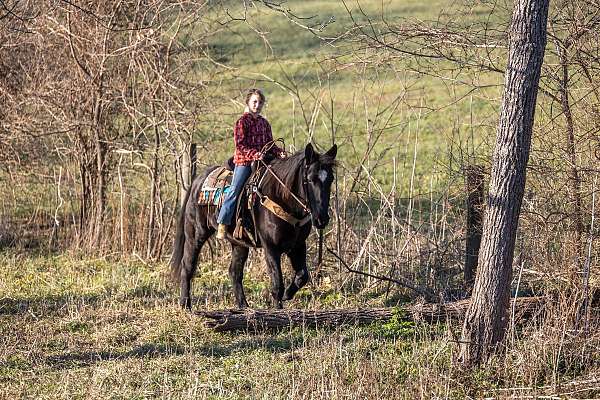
x=286 y=297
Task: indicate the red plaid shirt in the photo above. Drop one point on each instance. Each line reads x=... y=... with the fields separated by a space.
x=250 y=134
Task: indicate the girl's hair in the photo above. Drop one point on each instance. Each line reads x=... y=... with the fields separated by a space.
x=252 y=92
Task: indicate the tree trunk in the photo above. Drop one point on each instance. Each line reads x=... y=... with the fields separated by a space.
x=154 y=186
x=486 y=319
x=101 y=152
x=188 y=172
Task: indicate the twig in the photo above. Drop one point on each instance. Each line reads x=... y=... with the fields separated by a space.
x=426 y=293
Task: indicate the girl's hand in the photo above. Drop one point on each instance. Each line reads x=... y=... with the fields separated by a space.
x=258 y=156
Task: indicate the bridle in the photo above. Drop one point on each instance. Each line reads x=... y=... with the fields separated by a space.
x=308 y=213
x=300 y=201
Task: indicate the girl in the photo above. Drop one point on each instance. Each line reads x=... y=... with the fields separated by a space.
x=250 y=134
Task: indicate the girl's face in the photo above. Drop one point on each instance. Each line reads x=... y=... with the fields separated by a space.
x=255 y=104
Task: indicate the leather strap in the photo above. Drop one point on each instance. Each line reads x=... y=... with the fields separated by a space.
x=281 y=213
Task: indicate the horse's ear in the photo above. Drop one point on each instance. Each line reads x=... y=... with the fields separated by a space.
x=332 y=152
x=309 y=153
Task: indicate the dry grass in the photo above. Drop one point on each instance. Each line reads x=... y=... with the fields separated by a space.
x=76 y=327
x=81 y=328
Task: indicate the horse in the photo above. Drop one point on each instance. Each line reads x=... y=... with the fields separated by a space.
x=300 y=185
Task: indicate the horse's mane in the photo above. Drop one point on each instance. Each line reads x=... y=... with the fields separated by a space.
x=287 y=170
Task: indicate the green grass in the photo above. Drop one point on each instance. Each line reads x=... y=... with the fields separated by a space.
x=96 y=328
x=76 y=327
x=402 y=106
x=355 y=105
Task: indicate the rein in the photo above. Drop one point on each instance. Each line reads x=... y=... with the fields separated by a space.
x=265 y=149
x=273 y=206
x=302 y=204
x=277 y=210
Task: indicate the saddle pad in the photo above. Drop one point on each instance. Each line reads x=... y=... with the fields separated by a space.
x=215 y=186
x=217 y=179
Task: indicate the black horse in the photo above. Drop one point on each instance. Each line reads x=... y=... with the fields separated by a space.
x=301 y=185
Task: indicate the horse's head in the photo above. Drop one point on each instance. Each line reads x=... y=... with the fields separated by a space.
x=318 y=177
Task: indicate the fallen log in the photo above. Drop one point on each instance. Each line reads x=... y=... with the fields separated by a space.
x=260 y=320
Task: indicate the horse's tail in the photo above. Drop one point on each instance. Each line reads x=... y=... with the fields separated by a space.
x=179 y=241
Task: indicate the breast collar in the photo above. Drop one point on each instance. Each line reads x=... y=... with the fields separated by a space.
x=275 y=208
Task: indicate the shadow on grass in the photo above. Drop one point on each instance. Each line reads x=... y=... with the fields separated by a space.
x=88 y=358
x=152 y=351
x=46 y=304
x=56 y=304
x=270 y=344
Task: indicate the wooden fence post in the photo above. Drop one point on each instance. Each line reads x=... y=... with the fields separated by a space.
x=474 y=186
x=192 y=162
x=188 y=172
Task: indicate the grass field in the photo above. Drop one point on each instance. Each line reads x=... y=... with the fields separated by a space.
x=97 y=328
x=93 y=328
x=76 y=326
x=313 y=97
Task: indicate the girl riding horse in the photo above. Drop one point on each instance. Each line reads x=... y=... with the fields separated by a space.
x=251 y=133
x=301 y=186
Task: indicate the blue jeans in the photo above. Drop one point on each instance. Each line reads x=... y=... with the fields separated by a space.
x=240 y=176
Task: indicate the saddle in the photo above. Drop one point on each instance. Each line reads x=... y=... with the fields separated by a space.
x=217 y=185
x=212 y=193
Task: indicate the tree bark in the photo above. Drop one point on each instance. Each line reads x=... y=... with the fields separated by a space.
x=154 y=185
x=101 y=149
x=259 y=320
x=486 y=319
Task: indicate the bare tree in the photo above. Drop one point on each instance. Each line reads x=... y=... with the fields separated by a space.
x=465 y=53
x=486 y=320
x=99 y=79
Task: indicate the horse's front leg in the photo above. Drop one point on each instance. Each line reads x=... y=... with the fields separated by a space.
x=239 y=255
x=298 y=260
x=273 y=259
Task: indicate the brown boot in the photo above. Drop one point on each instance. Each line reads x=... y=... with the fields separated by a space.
x=221 y=231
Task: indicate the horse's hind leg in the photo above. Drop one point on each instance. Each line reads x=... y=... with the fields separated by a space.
x=273 y=258
x=195 y=237
x=298 y=260
x=239 y=255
